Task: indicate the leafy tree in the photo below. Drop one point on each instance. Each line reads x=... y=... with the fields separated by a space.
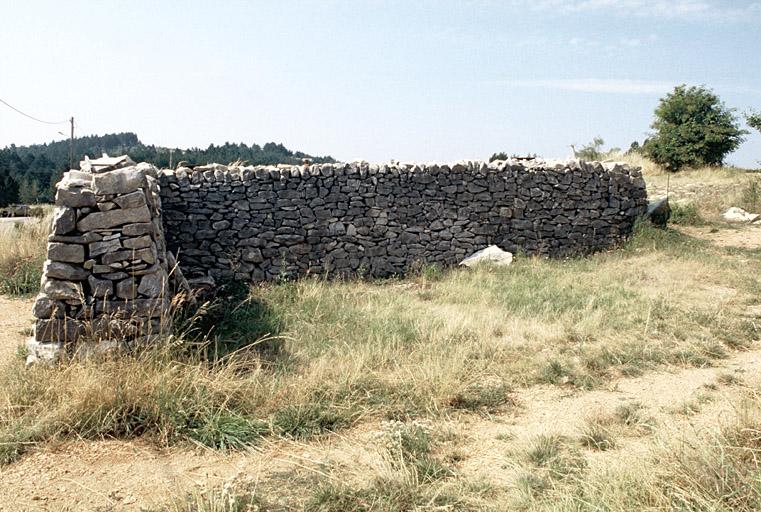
x=29 y=191
x=692 y=128
x=754 y=120
x=499 y=156
x=591 y=151
x=8 y=190
x=594 y=150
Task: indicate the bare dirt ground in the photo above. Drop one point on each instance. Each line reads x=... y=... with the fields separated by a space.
x=15 y=319
x=743 y=237
x=130 y=475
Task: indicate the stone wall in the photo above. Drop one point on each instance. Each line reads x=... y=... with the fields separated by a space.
x=105 y=280
x=261 y=223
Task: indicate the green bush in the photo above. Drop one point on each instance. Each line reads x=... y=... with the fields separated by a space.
x=692 y=128
x=686 y=215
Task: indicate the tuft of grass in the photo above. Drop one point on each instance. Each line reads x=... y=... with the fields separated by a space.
x=730 y=379
x=631 y=415
x=597 y=436
x=488 y=395
x=694 y=405
x=302 y=421
x=555 y=457
x=544 y=449
x=228 y=498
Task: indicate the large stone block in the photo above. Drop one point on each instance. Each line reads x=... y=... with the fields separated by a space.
x=64 y=220
x=67 y=253
x=64 y=271
x=134 y=199
x=120 y=181
x=62 y=290
x=75 y=197
x=114 y=218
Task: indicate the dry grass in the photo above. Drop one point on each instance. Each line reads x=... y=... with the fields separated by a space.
x=303 y=358
x=22 y=253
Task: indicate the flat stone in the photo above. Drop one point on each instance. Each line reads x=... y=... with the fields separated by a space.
x=44 y=307
x=253 y=256
x=76 y=239
x=100 y=288
x=62 y=290
x=68 y=253
x=64 y=220
x=148 y=308
x=106 y=220
x=64 y=271
x=106 y=246
x=106 y=206
x=137 y=229
x=115 y=276
x=75 y=197
x=152 y=285
x=126 y=289
x=138 y=243
x=134 y=199
x=59 y=330
x=120 y=181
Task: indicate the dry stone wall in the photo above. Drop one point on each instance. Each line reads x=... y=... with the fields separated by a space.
x=263 y=223
x=105 y=281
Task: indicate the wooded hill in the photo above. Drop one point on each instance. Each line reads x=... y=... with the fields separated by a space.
x=28 y=174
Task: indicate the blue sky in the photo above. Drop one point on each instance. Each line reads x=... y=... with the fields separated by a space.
x=428 y=80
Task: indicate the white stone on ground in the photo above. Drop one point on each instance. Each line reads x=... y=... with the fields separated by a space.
x=492 y=254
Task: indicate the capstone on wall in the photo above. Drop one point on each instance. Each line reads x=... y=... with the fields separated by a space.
x=266 y=222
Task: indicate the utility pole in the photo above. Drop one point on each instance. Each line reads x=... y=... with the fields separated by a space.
x=170 y=158
x=71 y=144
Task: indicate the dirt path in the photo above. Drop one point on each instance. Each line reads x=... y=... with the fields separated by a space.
x=743 y=237
x=15 y=319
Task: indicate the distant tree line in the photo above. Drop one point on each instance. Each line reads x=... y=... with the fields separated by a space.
x=28 y=174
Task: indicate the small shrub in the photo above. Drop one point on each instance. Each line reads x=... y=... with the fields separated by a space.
x=750 y=197
x=555 y=372
x=686 y=214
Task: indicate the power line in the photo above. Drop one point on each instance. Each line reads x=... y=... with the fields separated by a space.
x=31 y=117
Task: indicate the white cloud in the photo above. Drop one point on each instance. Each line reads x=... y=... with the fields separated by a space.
x=671 y=9
x=597 y=85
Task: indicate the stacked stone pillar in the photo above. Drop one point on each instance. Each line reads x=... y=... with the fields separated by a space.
x=105 y=281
